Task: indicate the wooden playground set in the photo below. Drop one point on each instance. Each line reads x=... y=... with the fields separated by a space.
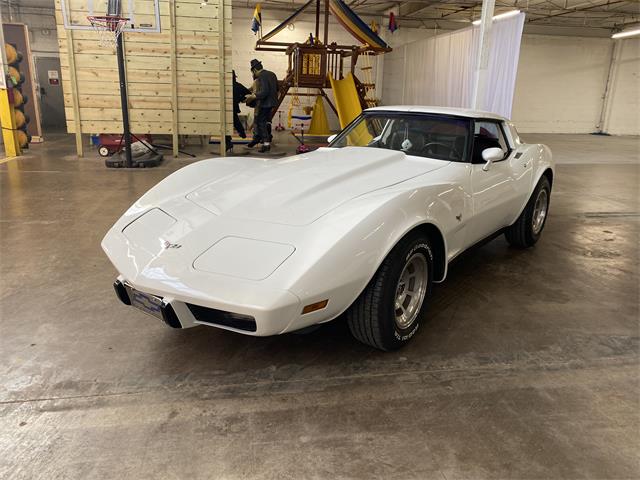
x=319 y=65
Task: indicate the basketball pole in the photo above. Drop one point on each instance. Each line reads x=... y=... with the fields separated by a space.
x=123 y=101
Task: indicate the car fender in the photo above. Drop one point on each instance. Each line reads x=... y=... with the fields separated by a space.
x=541 y=160
x=382 y=220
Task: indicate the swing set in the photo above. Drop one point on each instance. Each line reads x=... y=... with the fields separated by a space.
x=314 y=63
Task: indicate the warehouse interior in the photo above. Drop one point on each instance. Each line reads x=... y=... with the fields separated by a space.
x=526 y=363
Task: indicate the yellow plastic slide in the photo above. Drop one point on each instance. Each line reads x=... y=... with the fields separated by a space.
x=348 y=106
x=346 y=99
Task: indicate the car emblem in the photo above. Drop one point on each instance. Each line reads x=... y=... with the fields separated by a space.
x=168 y=245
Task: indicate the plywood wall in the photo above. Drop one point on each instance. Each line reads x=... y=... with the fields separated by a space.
x=161 y=75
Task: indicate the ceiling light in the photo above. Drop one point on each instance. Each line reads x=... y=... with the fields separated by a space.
x=628 y=33
x=508 y=14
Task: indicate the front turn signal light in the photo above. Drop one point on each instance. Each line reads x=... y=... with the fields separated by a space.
x=315 y=306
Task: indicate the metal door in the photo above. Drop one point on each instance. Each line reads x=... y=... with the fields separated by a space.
x=50 y=94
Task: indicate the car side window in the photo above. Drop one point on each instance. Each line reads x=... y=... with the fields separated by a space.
x=488 y=134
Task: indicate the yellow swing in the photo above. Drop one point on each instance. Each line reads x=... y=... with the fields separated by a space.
x=303 y=113
x=296 y=104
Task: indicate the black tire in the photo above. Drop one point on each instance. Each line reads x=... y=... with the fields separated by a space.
x=522 y=233
x=372 y=317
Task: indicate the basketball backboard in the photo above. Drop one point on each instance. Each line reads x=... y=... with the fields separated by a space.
x=143 y=15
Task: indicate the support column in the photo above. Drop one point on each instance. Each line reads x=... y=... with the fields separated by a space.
x=380 y=69
x=222 y=77
x=606 y=95
x=482 y=60
x=404 y=72
x=317 y=20
x=8 y=123
x=326 y=21
x=74 y=94
x=175 y=143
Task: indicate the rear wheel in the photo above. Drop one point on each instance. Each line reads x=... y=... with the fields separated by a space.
x=526 y=231
x=387 y=313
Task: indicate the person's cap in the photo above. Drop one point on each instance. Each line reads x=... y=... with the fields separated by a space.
x=256 y=64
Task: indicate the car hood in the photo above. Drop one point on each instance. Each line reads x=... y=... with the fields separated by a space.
x=300 y=189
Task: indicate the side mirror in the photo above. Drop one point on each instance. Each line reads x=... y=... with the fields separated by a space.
x=331 y=138
x=491 y=155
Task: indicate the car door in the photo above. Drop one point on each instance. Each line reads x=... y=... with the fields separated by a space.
x=498 y=189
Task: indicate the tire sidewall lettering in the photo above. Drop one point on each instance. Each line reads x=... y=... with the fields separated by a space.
x=420 y=246
x=407 y=336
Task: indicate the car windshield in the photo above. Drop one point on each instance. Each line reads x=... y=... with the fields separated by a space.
x=424 y=135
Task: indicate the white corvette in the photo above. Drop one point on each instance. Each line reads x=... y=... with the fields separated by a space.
x=364 y=226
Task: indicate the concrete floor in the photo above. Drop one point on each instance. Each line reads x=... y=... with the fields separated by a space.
x=527 y=367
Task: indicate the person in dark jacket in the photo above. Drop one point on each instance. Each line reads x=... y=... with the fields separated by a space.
x=265 y=98
x=239 y=94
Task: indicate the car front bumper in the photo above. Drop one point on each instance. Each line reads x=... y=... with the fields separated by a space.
x=256 y=316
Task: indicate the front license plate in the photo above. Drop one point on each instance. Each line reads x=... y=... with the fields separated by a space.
x=149 y=304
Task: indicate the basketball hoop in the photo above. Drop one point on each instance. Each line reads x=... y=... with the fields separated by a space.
x=109 y=27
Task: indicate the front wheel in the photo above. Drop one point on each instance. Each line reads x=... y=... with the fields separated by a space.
x=387 y=313
x=526 y=231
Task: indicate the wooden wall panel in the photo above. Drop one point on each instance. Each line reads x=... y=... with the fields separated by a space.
x=149 y=60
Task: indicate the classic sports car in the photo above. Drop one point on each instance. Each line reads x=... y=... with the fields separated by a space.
x=364 y=226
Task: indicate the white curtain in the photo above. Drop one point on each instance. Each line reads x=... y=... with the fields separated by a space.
x=439 y=71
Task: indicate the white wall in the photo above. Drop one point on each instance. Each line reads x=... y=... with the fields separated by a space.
x=560 y=83
x=623 y=115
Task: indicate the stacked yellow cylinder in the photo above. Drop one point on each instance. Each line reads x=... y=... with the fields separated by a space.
x=12 y=117
x=17 y=78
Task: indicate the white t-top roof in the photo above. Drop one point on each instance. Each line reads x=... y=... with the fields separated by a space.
x=462 y=112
